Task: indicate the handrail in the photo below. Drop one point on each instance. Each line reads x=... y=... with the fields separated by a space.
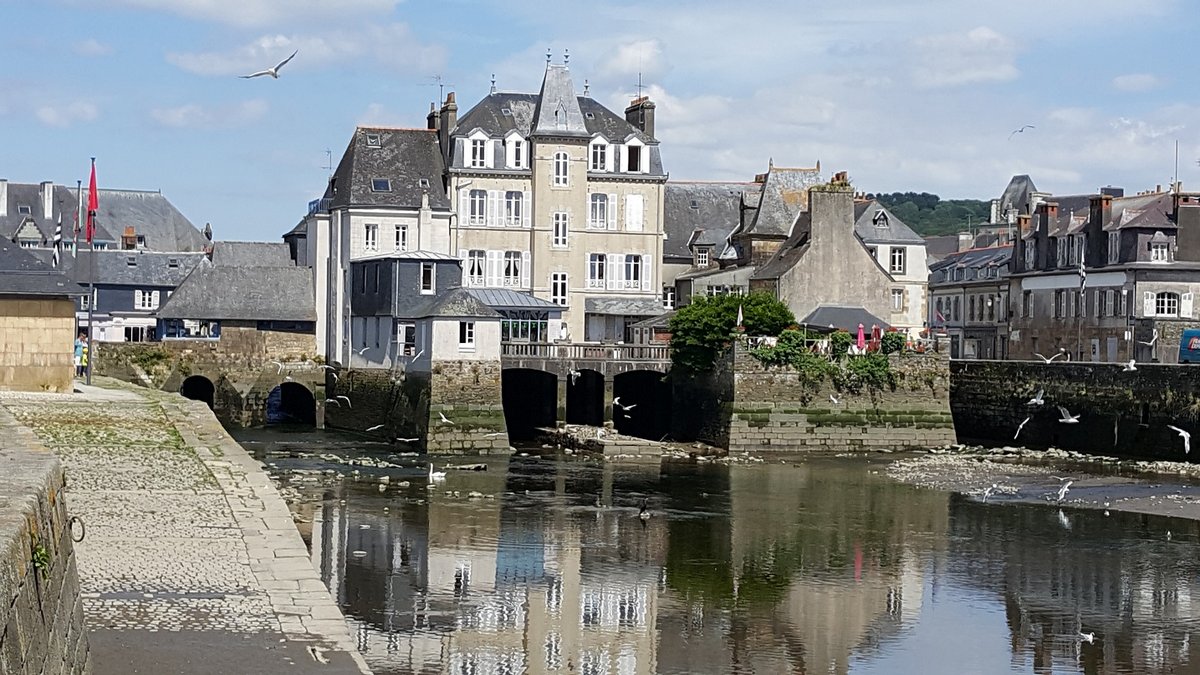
x=585 y=351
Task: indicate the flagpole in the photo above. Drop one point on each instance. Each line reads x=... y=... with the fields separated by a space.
x=75 y=225
x=91 y=237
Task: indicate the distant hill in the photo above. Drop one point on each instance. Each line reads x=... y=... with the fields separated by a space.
x=928 y=215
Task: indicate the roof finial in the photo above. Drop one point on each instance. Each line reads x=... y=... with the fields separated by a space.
x=547 y=56
x=493 y=83
x=566 y=56
x=585 y=87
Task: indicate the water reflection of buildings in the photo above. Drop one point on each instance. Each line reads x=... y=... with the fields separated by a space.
x=513 y=584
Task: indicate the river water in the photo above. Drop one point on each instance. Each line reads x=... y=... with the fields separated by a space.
x=817 y=565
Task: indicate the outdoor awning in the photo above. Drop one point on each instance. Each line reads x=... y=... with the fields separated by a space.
x=623 y=306
x=843 y=318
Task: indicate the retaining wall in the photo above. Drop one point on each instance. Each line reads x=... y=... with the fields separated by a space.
x=41 y=613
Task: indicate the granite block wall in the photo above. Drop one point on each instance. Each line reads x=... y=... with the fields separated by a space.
x=37 y=343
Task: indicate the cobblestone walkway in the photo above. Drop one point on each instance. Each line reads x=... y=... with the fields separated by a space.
x=188 y=544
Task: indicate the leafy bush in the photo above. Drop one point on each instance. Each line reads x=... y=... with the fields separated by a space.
x=892 y=342
x=839 y=342
x=701 y=329
x=869 y=372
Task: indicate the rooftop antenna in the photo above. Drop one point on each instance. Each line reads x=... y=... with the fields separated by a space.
x=328 y=160
x=441 y=85
x=1175 y=180
x=493 y=83
x=639 y=84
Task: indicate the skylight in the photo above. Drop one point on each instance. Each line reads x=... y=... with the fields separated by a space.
x=374 y=141
x=506 y=112
x=24 y=209
x=423 y=182
x=381 y=185
x=590 y=116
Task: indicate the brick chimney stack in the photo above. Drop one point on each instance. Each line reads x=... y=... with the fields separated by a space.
x=640 y=114
x=448 y=119
x=432 y=118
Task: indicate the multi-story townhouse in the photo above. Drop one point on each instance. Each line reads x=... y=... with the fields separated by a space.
x=901 y=252
x=968 y=301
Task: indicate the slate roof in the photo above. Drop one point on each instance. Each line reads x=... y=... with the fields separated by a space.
x=251 y=254
x=1016 y=194
x=489 y=116
x=661 y=321
x=460 y=303
x=112 y=267
x=868 y=218
x=972 y=261
x=844 y=317
x=1152 y=210
x=36 y=221
x=784 y=194
x=623 y=306
x=404 y=157
x=791 y=251
x=23 y=274
x=941 y=246
x=700 y=213
x=409 y=255
x=558 y=111
x=243 y=294
x=503 y=298
x=151 y=215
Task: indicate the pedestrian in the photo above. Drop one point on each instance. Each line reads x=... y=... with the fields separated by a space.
x=83 y=361
x=80 y=345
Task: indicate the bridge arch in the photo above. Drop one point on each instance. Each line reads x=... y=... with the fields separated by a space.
x=291 y=403
x=530 y=401
x=585 y=398
x=199 y=388
x=642 y=404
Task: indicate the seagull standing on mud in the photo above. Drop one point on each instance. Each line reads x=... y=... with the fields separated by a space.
x=1187 y=438
x=273 y=71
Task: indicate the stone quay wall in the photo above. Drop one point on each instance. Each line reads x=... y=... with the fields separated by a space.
x=41 y=612
x=1121 y=413
x=37 y=344
x=757 y=408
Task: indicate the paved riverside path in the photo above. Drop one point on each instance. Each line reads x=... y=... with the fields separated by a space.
x=191 y=562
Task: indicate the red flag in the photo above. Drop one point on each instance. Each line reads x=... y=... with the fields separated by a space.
x=93 y=205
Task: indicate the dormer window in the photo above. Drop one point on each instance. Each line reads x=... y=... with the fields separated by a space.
x=381 y=185
x=599 y=156
x=694 y=205
x=702 y=257
x=141 y=241
x=590 y=116
x=1159 y=252
x=131 y=261
x=506 y=112
x=423 y=182
x=478 y=153
x=374 y=141
x=173 y=263
x=634 y=155
x=880 y=219
x=24 y=209
x=514 y=151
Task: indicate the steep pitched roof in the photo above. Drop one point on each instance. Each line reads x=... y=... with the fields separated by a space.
x=784 y=194
x=460 y=303
x=558 y=111
x=23 y=274
x=1151 y=210
x=151 y=215
x=790 y=252
x=37 y=222
x=251 y=254
x=490 y=115
x=699 y=213
x=874 y=223
x=243 y=294
x=1016 y=194
x=973 y=261
x=126 y=268
x=410 y=160
x=843 y=317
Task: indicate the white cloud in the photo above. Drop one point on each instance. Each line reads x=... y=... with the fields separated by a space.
x=953 y=59
x=197 y=116
x=66 y=114
x=1135 y=82
x=635 y=57
x=249 y=13
x=379 y=115
x=391 y=45
x=92 y=47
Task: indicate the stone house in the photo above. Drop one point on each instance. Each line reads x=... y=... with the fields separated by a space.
x=698 y=218
x=901 y=252
x=823 y=264
x=968 y=300
x=37 y=323
x=1106 y=277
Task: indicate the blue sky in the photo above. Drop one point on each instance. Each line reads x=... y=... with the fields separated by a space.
x=904 y=94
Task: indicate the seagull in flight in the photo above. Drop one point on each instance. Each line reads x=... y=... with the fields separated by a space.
x=1187 y=438
x=1063 y=490
x=1021 y=130
x=617 y=402
x=574 y=375
x=834 y=400
x=445 y=420
x=1048 y=360
x=272 y=71
x=1021 y=426
x=436 y=475
x=276 y=363
x=334 y=400
x=1066 y=417
x=1130 y=367
x=377 y=427
x=342 y=397
x=408 y=440
x=1037 y=400
x=1153 y=339
x=1089 y=638
x=987 y=492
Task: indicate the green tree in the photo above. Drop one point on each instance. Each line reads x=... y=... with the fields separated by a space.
x=701 y=329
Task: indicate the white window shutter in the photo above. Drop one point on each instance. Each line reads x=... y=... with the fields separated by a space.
x=464 y=206
x=1185 y=305
x=462 y=256
x=526 y=208
x=154 y=300
x=495 y=269
x=489 y=154
x=612 y=274
x=646 y=273
x=609 y=152
x=612 y=212
x=1147 y=303
x=633 y=213
x=525 y=269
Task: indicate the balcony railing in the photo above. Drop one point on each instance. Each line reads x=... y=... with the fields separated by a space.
x=577 y=351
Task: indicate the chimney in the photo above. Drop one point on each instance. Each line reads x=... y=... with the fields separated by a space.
x=640 y=114
x=3 y=197
x=432 y=118
x=129 y=239
x=1100 y=210
x=830 y=212
x=995 y=211
x=48 y=200
x=447 y=120
x=1023 y=222
x=1187 y=233
x=1112 y=191
x=965 y=240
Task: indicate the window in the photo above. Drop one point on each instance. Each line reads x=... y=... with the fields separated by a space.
x=136 y=334
x=1114 y=246
x=897 y=299
x=475 y=267
x=598 y=212
x=374 y=141
x=971 y=311
x=1062 y=251
x=561 y=226
x=599 y=156
x=147 y=300
x=512 y=268
x=371 y=236
x=633 y=271
x=558 y=288
x=991 y=309
x=406 y=338
x=401 y=237
x=513 y=208
x=634 y=153
x=466 y=336
x=1026 y=303
x=1158 y=252
x=1166 y=304
x=478 y=212
x=702 y=257
x=381 y=185
x=517 y=148
x=668 y=297
x=880 y=219
x=957 y=307
x=173 y=263
x=899 y=259
x=596 y=264
x=1060 y=301
x=1030 y=255
x=24 y=210
x=1107 y=306
x=422 y=182
x=85 y=301
x=427 y=278
x=560 y=169
x=478 y=153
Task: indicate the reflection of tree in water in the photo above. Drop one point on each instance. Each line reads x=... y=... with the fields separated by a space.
x=1120 y=577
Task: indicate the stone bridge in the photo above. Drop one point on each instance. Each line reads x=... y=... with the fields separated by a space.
x=563 y=358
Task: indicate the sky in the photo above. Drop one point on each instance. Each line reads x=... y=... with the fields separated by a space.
x=918 y=95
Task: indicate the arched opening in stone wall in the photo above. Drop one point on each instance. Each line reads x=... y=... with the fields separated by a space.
x=642 y=404
x=585 y=398
x=291 y=403
x=199 y=388
x=530 y=401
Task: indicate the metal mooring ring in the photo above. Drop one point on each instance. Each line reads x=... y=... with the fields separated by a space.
x=82 y=528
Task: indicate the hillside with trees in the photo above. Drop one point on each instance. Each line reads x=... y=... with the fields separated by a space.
x=928 y=214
